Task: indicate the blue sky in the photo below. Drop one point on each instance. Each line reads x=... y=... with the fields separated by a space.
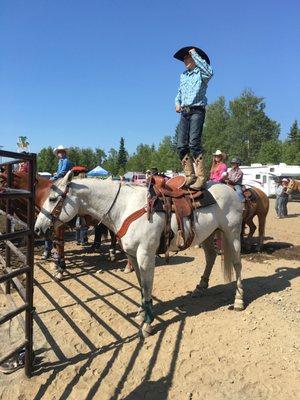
x=86 y=72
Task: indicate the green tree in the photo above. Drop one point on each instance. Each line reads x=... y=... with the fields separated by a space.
x=74 y=155
x=215 y=134
x=249 y=127
x=46 y=160
x=100 y=156
x=166 y=156
x=122 y=156
x=88 y=158
x=142 y=159
x=294 y=133
x=270 y=152
x=111 y=162
x=290 y=153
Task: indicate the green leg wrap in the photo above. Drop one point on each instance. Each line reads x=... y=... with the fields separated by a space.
x=148 y=308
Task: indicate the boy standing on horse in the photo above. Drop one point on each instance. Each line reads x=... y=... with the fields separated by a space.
x=190 y=102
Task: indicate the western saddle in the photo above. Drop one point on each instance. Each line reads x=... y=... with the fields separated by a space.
x=170 y=196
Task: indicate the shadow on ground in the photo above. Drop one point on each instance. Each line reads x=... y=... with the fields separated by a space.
x=273 y=250
x=183 y=306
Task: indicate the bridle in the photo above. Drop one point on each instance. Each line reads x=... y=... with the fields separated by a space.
x=55 y=213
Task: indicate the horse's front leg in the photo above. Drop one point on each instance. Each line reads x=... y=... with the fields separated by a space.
x=113 y=245
x=140 y=316
x=146 y=263
x=210 y=257
x=60 y=251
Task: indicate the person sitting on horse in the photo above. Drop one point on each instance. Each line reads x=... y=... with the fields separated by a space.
x=190 y=102
x=217 y=170
x=234 y=178
x=23 y=166
x=64 y=164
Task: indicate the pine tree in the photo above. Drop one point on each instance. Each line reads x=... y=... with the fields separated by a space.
x=122 y=156
x=294 y=134
x=46 y=160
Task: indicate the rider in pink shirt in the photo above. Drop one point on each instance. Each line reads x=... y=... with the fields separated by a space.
x=217 y=169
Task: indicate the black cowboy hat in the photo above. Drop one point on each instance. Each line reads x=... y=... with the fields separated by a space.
x=236 y=160
x=180 y=54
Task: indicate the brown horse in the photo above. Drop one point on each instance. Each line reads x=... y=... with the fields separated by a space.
x=42 y=189
x=258 y=207
x=293 y=186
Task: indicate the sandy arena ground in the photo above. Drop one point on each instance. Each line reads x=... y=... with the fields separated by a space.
x=88 y=346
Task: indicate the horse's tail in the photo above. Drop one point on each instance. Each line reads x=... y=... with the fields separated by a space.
x=227 y=257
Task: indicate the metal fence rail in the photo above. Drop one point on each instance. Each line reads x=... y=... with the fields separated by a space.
x=11 y=276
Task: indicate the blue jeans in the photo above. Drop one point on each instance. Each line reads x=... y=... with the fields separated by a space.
x=81 y=234
x=281 y=206
x=210 y=183
x=239 y=192
x=284 y=205
x=189 y=133
x=48 y=245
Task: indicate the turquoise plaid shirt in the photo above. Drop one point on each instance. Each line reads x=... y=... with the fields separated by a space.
x=193 y=84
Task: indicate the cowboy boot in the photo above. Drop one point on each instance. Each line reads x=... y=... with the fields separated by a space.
x=200 y=173
x=188 y=170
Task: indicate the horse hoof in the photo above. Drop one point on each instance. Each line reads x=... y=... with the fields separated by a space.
x=140 y=317
x=147 y=330
x=59 y=276
x=128 y=269
x=238 y=305
x=198 y=292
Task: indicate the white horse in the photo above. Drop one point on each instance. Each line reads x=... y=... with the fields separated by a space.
x=111 y=203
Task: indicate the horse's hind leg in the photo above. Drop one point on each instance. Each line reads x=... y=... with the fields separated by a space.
x=252 y=227
x=261 y=230
x=210 y=257
x=239 y=294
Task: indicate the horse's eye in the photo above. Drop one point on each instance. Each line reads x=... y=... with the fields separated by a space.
x=52 y=199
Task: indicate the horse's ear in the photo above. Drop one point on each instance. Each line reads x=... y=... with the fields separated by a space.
x=68 y=177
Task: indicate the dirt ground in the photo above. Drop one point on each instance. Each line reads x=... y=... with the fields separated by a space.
x=88 y=347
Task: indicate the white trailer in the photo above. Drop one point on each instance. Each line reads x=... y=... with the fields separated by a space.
x=264 y=177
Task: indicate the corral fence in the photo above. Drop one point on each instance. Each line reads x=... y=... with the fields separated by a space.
x=9 y=277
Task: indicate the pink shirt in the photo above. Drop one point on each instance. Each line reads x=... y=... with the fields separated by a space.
x=216 y=173
x=24 y=167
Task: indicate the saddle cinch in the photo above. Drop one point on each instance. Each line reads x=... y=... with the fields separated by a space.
x=171 y=197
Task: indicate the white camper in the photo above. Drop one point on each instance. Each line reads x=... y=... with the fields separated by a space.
x=264 y=177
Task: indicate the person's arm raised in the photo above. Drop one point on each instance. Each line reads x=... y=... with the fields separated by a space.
x=205 y=69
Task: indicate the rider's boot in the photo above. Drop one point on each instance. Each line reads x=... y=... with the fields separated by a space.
x=188 y=170
x=200 y=173
x=46 y=254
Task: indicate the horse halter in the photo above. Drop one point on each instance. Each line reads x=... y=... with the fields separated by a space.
x=55 y=213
